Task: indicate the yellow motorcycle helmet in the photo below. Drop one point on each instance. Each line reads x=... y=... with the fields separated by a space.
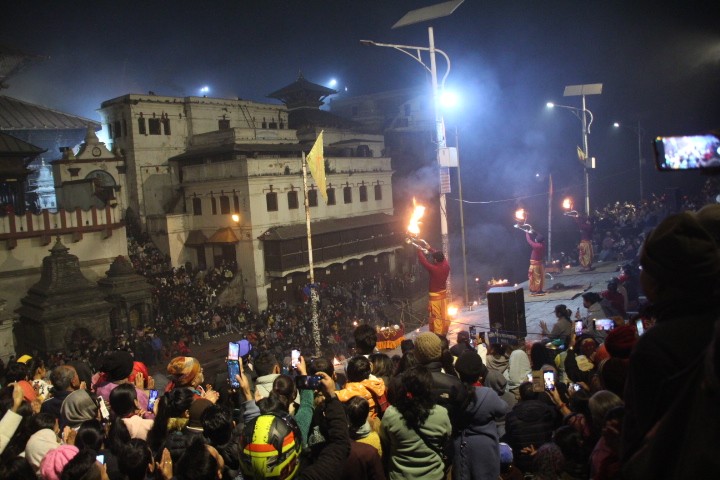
x=271 y=445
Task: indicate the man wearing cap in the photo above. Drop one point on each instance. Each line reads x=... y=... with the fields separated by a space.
x=680 y=277
x=439 y=270
x=450 y=391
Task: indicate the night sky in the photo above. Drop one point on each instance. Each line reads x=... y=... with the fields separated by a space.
x=659 y=63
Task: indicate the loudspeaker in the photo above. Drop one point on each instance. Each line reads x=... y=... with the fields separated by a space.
x=506 y=309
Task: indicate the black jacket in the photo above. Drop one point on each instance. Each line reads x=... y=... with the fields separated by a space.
x=530 y=422
x=333 y=455
x=449 y=392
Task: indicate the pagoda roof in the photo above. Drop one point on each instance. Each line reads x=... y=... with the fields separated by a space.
x=19 y=115
x=302 y=93
x=11 y=146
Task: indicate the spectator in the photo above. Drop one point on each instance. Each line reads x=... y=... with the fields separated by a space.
x=267 y=368
x=476 y=449
x=382 y=367
x=64 y=380
x=115 y=370
x=360 y=383
x=415 y=430
x=449 y=390
x=365 y=340
x=124 y=404
x=562 y=328
x=77 y=407
x=462 y=345
x=680 y=272
x=357 y=410
x=530 y=423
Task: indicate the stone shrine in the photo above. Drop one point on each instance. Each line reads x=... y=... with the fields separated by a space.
x=64 y=311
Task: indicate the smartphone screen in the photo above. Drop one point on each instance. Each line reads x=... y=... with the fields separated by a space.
x=233 y=351
x=640 y=327
x=530 y=377
x=233 y=367
x=578 y=327
x=549 y=378
x=100 y=458
x=307 y=382
x=294 y=358
x=152 y=398
x=687 y=152
x=103 y=409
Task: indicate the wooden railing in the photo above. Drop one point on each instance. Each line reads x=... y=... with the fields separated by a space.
x=47 y=224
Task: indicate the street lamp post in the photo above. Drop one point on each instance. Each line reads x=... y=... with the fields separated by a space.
x=639 y=132
x=462 y=217
x=415 y=52
x=583 y=114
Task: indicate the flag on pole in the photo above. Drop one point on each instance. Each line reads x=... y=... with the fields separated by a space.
x=581 y=155
x=316 y=163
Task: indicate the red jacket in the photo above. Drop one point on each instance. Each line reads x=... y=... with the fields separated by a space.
x=538 y=249
x=438 y=272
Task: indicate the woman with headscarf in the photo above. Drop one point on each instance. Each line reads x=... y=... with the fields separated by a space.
x=77 y=407
x=186 y=372
x=518 y=370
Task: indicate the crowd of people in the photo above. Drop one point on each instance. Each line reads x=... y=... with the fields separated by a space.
x=591 y=400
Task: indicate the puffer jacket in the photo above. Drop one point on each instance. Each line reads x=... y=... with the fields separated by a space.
x=368 y=389
x=530 y=422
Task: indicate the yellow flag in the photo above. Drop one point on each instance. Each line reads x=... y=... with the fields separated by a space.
x=581 y=155
x=316 y=163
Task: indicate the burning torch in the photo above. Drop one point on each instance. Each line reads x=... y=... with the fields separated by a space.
x=521 y=221
x=413 y=229
x=568 y=207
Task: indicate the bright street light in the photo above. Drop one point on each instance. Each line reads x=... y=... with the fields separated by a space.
x=415 y=52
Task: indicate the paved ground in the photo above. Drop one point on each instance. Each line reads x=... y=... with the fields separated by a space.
x=212 y=353
x=539 y=308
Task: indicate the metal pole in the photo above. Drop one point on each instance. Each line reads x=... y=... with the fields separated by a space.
x=640 y=162
x=550 y=203
x=587 y=158
x=441 y=146
x=313 y=292
x=462 y=217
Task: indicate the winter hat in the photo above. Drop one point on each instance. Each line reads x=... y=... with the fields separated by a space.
x=620 y=341
x=183 y=370
x=428 y=347
x=681 y=253
x=197 y=408
x=38 y=445
x=77 y=408
x=506 y=454
x=470 y=366
x=117 y=365
x=55 y=460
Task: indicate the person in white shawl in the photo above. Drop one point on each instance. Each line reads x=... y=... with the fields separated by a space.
x=518 y=370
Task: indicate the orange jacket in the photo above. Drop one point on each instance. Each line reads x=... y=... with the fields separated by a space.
x=364 y=389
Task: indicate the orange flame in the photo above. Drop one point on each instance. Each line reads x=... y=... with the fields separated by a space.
x=567 y=204
x=417 y=214
x=520 y=215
